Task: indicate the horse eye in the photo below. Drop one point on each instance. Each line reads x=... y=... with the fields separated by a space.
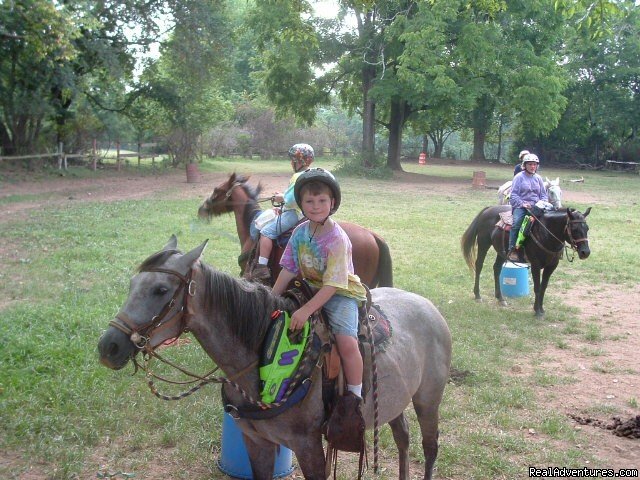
x=160 y=291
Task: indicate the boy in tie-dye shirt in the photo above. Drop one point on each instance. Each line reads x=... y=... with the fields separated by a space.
x=320 y=252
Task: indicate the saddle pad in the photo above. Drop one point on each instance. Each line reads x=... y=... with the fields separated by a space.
x=506 y=220
x=380 y=327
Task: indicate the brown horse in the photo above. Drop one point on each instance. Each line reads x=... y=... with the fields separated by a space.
x=543 y=249
x=371 y=256
x=173 y=292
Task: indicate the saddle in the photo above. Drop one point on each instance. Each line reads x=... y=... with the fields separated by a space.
x=506 y=221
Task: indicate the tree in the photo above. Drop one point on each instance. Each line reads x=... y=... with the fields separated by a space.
x=603 y=117
x=35 y=38
x=182 y=94
x=489 y=59
x=54 y=52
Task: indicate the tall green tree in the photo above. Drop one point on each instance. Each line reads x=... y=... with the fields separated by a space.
x=490 y=59
x=54 y=52
x=602 y=120
x=184 y=90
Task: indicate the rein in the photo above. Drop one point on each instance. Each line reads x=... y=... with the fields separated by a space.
x=573 y=243
x=227 y=198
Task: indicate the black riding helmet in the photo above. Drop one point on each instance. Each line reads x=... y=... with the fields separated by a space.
x=318 y=175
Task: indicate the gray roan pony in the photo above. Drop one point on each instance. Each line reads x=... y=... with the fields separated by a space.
x=174 y=292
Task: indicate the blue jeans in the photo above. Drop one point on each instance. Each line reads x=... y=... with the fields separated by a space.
x=342 y=313
x=280 y=224
x=518 y=215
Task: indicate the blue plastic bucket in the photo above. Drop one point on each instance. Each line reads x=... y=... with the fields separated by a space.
x=234 y=459
x=514 y=280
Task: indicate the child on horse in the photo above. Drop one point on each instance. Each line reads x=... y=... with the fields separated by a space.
x=320 y=251
x=519 y=166
x=527 y=189
x=301 y=155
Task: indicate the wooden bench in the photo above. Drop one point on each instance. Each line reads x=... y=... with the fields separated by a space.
x=624 y=166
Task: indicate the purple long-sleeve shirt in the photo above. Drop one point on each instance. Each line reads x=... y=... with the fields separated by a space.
x=527 y=189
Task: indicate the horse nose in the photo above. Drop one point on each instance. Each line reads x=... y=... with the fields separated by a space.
x=584 y=252
x=202 y=213
x=113 y=353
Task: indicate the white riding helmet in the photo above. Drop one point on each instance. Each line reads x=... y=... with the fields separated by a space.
x=530 y=158
x=523 y=153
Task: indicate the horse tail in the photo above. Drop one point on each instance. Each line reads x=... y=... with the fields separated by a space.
x=469 y=242
x=384 y=275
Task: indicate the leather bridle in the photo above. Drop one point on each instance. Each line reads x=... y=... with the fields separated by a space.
x=574 y=243
x=139 y=334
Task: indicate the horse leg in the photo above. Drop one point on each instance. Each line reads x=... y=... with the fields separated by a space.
x=262 y=456
x=428 y=420
x=482 y=254
x=310 y=456
x=546 y=274
x=400 y=428
x=497 y=268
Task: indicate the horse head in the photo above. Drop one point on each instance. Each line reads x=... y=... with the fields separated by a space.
x=576 y=232
x=220 y=201
x=554 y=191
x=155 y=310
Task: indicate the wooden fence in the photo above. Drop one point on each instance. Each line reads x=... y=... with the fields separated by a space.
x=92 y=156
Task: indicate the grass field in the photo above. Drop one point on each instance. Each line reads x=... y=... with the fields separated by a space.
x=65 y=415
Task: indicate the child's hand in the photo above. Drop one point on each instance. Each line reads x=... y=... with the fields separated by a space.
x=298 y=319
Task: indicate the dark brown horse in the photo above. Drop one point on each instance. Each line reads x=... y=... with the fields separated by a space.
x=371 y=256
x=543 y=248
x=173 y=292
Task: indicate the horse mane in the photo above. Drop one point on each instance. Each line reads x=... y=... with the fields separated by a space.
x=252 y=192
x=157 y=259
x=247 y=306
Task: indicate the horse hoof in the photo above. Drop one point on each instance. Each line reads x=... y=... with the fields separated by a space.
x=478 y=300
x=539 y=315
x=503 y=303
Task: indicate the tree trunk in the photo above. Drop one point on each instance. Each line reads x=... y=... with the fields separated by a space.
x=396 y=123
x=479 y=136
x=425 y=143
x=437 y=137
x=368 y=117
x=481 y=118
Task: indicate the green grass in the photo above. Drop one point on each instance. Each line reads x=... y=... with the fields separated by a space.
x=59 y=406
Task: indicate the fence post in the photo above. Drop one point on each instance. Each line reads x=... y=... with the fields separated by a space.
x=62 y=159
x=138 y=154
x=118 y=156
x=94 y=155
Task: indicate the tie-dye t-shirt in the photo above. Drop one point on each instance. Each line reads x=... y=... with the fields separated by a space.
x=323 y=260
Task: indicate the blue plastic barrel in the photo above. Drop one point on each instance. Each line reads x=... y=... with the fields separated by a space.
x=514 y=280
x=234 y=459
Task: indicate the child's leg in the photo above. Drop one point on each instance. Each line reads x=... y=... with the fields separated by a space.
x=351 y=360
x=271 y=231
x=342 y=313
x=264 y=252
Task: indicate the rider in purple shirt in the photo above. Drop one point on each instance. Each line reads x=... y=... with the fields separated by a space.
x=527 y=189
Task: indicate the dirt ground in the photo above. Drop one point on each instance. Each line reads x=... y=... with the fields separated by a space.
x=604 y=376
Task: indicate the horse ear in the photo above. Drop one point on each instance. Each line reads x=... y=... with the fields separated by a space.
x=188 y=259
x=172 y=244
x=546 y=179
x=232 y=178
x=557 y=181
x=587 y=212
